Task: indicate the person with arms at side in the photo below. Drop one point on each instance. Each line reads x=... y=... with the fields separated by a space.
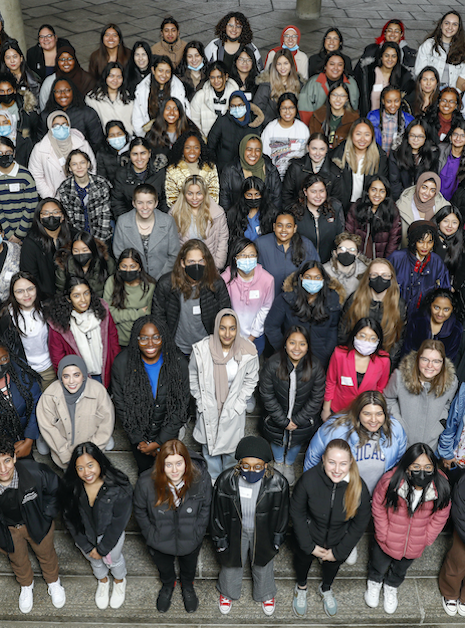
x=346 y=265
x=170 y=43
x=111 y=48
x=41 y=57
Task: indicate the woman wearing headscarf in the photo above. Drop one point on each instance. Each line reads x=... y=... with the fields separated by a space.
x=23 y=143
x=290 y=39
x=73 y=410
x=48 y=158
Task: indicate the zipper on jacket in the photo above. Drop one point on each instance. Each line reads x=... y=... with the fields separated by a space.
x=333 y=495
x=408 y=532
x=317 y=233
x=255 y=526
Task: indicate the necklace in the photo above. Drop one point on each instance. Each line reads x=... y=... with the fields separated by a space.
x=147 y=228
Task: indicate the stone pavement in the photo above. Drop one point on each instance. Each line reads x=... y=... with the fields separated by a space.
x=360 y=21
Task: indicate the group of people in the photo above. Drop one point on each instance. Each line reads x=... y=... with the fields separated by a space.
x=185 y=232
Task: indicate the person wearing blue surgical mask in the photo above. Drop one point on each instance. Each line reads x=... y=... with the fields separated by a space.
x=114 y=151
x=23 y=145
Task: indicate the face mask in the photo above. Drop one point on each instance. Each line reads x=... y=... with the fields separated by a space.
x=82 y=258
x=1 y=238
x=195 y=271
x=364 y=347
x=346 y=258
x=6 y=161
x=246 y=265
x=312 y=286
x=233 y=39
x=296 y=47
x=5 y=130
x=5 y=99
x=117 y=142
x=420 y=478
x=51 y=222
x=129 y=275
x=197 y=69
x=238 y=112
x=60 y=132
x=252 y=203
x=252 y=476
x=379 y=284
x=4 y=370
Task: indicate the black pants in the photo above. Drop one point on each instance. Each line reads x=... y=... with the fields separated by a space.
x=303 y=562
x=143 y=461
x=382 y=567
x=165 y=566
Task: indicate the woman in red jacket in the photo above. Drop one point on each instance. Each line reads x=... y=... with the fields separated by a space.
x=411 y=504
x=358 y=366
x=80 y=323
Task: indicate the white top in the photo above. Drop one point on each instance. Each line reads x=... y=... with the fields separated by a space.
x=357 y=182
x=281 y=145
x=35 y=341
x=231 y=369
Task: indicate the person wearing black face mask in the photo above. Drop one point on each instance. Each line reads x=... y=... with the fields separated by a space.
x=346 y=264
x=411 y=505
x=252 y=215
x=129 y=293
x=250 y=514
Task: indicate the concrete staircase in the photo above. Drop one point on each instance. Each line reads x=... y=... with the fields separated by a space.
x=419 y=597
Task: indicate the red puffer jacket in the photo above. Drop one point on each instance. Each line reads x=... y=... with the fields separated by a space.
x=399 y=535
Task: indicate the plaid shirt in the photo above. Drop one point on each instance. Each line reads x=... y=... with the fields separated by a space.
x=389 y=130
x=98 y=205
x=14 y=483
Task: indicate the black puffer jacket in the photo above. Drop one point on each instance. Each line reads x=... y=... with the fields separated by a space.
x=84 y=119
x=318 y=516
x=109 y=161
x=126 y=181
x=299 y=168
x=40 y=263
x=232 y=178
x=36 y=58
x=271 y=518
x=166 y=304
x=322 y=232
x=178 y=531
x=274 y=393
x=402 y=178
x=164 y=427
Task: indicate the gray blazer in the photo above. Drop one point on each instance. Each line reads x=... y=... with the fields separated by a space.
x=163 y=242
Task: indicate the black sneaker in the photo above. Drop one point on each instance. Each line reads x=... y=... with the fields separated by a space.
x=164 y=598
x=191 y=601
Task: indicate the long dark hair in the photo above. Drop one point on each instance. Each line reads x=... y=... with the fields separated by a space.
x=382 y=220
x=372 y=323
x=23 y=68
x=98 y=261
x=326 y=209
x=298 y=249
x=456 y=52
x=38 y=230
x=132 y=74
x=439 y=293
x=155 y=103
x=179 y=278
x=100 y=91
x=455 y=244
x=58 y=311
x=283 y=371
x=395 y=78
x=182 y=66
x=12 y=302
x=418 y=102
x=432 y=115
x=238 y=246
x=176 y=154
x=401 y=475
x=163 y=490
x=158 y=134
x=119 y=296
x=327 y=32
x=458 y=124
x=316 y=311
x=325 y=127
x=254 y=72
x=427 y=154
x=77 y=100
x=237 y=215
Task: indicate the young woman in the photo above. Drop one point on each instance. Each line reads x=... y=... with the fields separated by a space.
x=376 y=439
x=150 y=385
x=345 y=264
x=450 y=248
x=23 y=143
x=12 y=60
x=9 y=264
x=290 y=40
x=320 y=219
x=80 y=323
x=418 y=268
x=110 y=98
x=393 y=30
x=312 y=299
x=96 y=499
x=332 y=41
x=436 y=320
x=114 y=152
x=358 y=366
x=452 y=160
x=410 y=507
x=84 y=257
x=375 y=218
x=336 y=116
x=416 y=154
x=390 y=113
x=445 y=113
x=192 y=69
x=223 y=374
x=244 y=71
x=197 y=216
x=172 y=508
x=330 y=510
x=41 y=58
x=171 y=122
x=138 y=66
x=129 y=293
x=253 y=214
x=75 y=409
x=86 y=197
x=190 y=156
x=111 y=48
x=233 y=30
x=291 y=388
x=426 y=91
x=420 y=392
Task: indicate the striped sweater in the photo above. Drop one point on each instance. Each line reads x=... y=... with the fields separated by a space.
x=18 y=200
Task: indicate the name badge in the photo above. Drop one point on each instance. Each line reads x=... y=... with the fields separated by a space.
x=196 y=310
x=245 y=492
x=15 y=187
x=254 y=294
x=62 y=161
x=377 y=88
x=346 y=381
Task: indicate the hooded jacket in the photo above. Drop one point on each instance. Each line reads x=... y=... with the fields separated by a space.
x=342 y=131
x=314 y=93
x=404 y=205
x=450 y=437
x=300 y=58
x=419 y=329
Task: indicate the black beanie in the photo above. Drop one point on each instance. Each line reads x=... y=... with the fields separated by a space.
x=254 y=447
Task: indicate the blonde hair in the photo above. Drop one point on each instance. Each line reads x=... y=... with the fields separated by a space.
x=371 y=160
x=353 y=492
x=292 y=84
x=182 y=212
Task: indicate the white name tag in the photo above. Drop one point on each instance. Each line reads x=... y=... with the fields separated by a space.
x=254 y=294
x=196 y=310
x=62 y=161
x=244 y=492
x=346 y=381
x=377 y=88
x=15 y=187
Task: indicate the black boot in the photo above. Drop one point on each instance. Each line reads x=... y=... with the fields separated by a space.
x=164 y=598
x=189 y=596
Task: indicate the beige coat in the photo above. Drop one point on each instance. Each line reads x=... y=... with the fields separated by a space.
x=404 y=205
x=94 y=420
x=176 y=175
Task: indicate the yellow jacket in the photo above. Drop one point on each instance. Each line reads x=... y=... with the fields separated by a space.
x=176 y=175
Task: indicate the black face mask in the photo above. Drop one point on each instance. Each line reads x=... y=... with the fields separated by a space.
x=195 y=271
x=233 y=39
x=51 y=222
x=82 y=258
x=129 y=275
x=4 y=369
x=5 y=99
x=420 y=478
x=346 y=258
x=252 y=203
x=379 y=284
x=6 y=161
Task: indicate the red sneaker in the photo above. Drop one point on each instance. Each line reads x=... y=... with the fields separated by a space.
x=269 y=606
x=225 y=604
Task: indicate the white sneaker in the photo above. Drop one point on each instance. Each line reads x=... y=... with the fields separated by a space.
x=57 y=593
x=118 y=594
x=352 y=557
x=450 y=606
x=372 y=593
x=390 y=599
x=26 y=599
x=42 y=446
x=102 y=595
x=251 y=403
x=110 y=444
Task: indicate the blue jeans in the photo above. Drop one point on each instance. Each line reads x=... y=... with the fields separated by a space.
x=278 y=452
x=217 y=464
x=260 y=344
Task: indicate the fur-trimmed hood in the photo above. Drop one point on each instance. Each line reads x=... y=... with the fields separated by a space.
x=64 y=253
x=290 y=284
x=406 y=369
x=366 y=61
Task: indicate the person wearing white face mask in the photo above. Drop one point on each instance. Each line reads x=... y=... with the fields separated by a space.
x=48 y=157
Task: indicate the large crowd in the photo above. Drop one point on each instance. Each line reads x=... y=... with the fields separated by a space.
x=188 y=232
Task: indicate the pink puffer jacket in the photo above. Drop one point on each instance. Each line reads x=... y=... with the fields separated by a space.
x=399 y=535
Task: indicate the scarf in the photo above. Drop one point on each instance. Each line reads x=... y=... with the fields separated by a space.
x=81 y=79
x=85 y=328
x=242 y=96
x=258 y=170
x=426 y=208
x=241 y=346
x=71 y=399
x=61 y=148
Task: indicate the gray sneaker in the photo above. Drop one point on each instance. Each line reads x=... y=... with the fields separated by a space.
x=329 y=601
x=279 y=466
x=299 y=602
x=289 y=474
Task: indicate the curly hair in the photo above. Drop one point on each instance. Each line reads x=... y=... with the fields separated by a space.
x=246 y=35
x=140 y=410
x=52 y=105
x=177 y=152
x=58 y=311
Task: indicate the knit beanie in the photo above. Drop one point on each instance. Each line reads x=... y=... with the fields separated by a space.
x=254 y=447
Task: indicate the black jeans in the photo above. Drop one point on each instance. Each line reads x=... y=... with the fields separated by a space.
x=143 y=461
x=165 y=566
x=303 y=562
x=382 y=567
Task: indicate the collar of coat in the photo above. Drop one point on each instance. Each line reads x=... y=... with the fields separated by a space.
x=406 y=370
x=430 y=493
x=290 y=284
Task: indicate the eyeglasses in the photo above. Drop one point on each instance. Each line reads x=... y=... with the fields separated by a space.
x=59 y=92
x=394 y=31
x=255 y=467
x=371 y=339
x=343 y=249
x=290 y=37
x=288 y=109
x=417 y=137
x=47 y=37
x=245 y=61
x=234 y=25
x=339 y=96
x=458 y=136
x=144 y=340
x=447 y=102
x=46 y=214
x=66 y=59
x=429 y=468
x=22 y=291
x=251 y=256
x=426 y=361
x=383 y=275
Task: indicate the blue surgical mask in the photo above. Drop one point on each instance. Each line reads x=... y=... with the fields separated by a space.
x=197 y=69
x=117 y=142
x=60 y=132
x=312 y=286
x=246 y=265
x=1 y=238
x=252 y=476
x=238 y=112
x=296 y=47
x=5 y=130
